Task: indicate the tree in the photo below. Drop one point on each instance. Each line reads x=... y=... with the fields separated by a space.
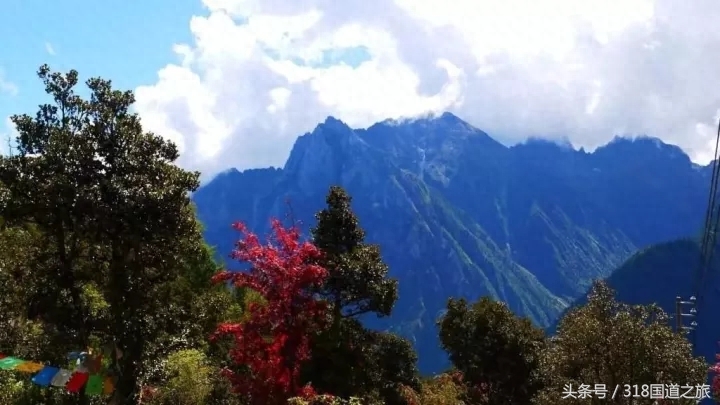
x=188 y=376
x=497 y=353
x=357 y=281
x=118 y=228
x=271 y=345
x=444 y=389
x=347 y=359
x=612 y=344
x=19 y=335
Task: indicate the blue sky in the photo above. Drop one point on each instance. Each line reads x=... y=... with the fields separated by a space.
x=126 y=41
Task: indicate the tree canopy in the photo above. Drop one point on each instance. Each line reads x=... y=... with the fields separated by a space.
x=612 y=344
x=497 y=353
x=115 y=245
x=348 y=359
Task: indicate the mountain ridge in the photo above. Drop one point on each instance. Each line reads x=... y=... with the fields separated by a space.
x=457 y=213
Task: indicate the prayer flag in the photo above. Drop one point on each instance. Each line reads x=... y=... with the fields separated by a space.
x=108 y=386
x=61 y=378
x=29 y=367
x=9 y=363
x=45 y=376
x=94 y=385
x=76 y=382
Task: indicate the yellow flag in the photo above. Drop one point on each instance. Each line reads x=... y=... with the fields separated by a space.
x=108 y=386
x=29 y=367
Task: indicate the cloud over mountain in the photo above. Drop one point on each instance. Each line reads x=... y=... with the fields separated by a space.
x=259 y=73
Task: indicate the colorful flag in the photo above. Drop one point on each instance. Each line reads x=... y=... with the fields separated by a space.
x=76 y=382
x=29 y=367
x=61 y=378
x=108 y=386
x=45 y=376
x=94 y=385
x=72 y=380
x=9 y=363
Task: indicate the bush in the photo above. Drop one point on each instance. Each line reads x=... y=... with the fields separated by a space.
x=324 y=400
x=444 y=389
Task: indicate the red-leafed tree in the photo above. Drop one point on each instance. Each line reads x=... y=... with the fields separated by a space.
x=272 y=343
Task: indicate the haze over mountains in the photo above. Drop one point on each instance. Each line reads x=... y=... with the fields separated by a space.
x=456 y=213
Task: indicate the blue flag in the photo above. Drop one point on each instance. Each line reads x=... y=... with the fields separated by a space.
x=45 y=376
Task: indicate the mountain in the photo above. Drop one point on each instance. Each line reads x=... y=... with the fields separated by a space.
x=663 y=271
x=456 y=213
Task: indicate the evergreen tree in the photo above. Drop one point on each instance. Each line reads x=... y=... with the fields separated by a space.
x=358 y=280
x=347 y=359
x=118 y=231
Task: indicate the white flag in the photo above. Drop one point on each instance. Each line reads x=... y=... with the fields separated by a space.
x=61 y=378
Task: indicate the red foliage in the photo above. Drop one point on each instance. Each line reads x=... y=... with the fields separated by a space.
x=273 y=342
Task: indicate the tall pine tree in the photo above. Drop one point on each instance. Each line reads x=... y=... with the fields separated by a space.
x=358 y=280
x=349 y=360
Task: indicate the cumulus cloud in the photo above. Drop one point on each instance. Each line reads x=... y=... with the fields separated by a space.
x=257 y=74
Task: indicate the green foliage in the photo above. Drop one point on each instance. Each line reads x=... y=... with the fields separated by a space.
x=443 y=389
x=116 y=255
x=611 y=343
x=325 y=400
x=357 y=282
x=348 y=359
x=188 y=379
x=497 y=352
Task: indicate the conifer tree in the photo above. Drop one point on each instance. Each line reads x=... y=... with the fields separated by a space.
x=347 y=359
x=358 y=280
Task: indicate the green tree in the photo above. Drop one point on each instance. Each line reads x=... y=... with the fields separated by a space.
x=119 y=233
x=20 y=336
x=188 y=379
x=497 y=352
x=609 y=343
x=358 y=280
x=347 y=359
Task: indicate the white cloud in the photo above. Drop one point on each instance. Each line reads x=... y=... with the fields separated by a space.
x=49 y=49
x=7 y=86
x=583 y=70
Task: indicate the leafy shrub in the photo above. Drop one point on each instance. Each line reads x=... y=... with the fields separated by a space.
x=324 y=400
x=444 y=389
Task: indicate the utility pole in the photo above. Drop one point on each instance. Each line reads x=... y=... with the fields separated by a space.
x=680 y=306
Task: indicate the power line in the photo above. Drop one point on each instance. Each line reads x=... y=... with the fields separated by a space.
x=710 y=229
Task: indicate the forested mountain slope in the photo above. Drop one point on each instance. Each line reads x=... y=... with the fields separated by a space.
x=660 y=273
x=458 y=214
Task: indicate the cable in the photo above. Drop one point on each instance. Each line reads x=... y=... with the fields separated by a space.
x=711 y=203
x=710 y=229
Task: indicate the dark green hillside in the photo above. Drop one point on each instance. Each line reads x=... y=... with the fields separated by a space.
x=660 y=273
